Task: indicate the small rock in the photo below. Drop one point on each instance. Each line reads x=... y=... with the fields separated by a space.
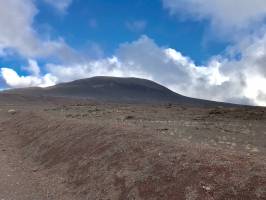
x=35 y=169
x=233 y=144
x=163 y=129
x=254 y=150
x=129 y=117
x=169 y=105
x=207 y=188
x=12 y=111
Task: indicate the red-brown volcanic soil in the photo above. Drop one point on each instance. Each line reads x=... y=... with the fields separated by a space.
x=54 y=148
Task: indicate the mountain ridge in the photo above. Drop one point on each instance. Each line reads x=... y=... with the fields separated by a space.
x=114 y=89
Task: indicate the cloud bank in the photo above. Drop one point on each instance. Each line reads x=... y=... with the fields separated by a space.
x=13 y=80
x=237 y=81
x=224 y=15
x=18 y=35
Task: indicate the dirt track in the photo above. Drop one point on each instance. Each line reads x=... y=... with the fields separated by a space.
x=111 y=151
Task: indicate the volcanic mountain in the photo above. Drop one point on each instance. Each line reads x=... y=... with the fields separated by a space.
x=113 y=89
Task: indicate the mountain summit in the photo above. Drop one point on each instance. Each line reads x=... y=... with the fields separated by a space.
x=114 y=89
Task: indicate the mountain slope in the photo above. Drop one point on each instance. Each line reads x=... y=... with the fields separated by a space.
x=131 y=90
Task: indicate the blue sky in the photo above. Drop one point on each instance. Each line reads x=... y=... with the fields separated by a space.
x=199 y=48
x=106 y=24
x=98 y=27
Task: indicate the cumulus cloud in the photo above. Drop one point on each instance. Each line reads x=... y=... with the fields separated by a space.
x=107 y=66
x=33 y=68
x=61 y=5
x=18 y=35
x=13 y=80
x=224 y=15
x=221 y=79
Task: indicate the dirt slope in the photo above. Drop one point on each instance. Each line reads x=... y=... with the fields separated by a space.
x=112 y=151
x=20 y=179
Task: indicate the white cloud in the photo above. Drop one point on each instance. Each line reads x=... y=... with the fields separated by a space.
x=108 y=67
x=172 y=69
x=33 y=68
x=237 y=81
x=224 y=15
x=15 y=81
x=18 y=35
x=61 y=5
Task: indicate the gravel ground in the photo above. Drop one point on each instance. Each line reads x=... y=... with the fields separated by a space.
x=20 y=179
x=69 y=150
